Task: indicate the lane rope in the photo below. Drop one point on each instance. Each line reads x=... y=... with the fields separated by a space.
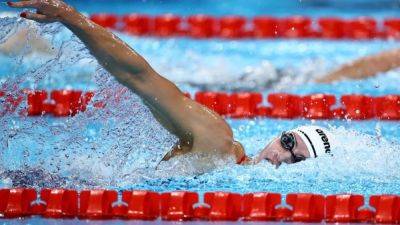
x=240 y=105
x=185 y=205
x=260 y=27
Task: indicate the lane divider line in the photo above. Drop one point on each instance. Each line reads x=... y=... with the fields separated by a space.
x=185 y=206
x=240 y=105
x=260 y=27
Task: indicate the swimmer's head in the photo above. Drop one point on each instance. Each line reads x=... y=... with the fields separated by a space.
x=297 y=145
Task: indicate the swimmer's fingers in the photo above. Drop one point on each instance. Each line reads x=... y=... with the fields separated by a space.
x=23 y=4
x=37 y=17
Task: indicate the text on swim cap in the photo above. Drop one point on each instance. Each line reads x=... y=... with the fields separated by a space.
x=324 y=139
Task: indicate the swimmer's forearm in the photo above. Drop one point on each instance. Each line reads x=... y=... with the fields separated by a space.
x=366 y=66
x=111 y=52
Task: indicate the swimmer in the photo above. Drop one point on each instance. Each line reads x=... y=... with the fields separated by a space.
x=200 y=131
x=365 y=67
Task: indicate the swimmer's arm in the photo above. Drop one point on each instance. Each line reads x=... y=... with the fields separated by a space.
x=177 y=113
x=127 y=66
x=365 y=67
x=192 y=123
x=182 y=116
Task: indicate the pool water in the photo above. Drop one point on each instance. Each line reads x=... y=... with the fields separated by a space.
x=119 y=146
x=249 y=8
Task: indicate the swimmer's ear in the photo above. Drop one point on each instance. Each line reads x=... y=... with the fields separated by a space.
x=36 y=17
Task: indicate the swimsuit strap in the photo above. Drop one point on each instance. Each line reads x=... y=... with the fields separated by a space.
x=241 y=160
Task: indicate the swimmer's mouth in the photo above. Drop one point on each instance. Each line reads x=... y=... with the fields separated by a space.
x=274 y=161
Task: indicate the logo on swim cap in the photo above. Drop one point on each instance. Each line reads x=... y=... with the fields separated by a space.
x=325 y=140
x=317 y=139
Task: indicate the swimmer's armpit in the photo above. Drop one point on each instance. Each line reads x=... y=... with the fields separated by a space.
x=176 y=150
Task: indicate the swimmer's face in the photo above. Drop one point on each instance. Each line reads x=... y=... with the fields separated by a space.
x=275 y=154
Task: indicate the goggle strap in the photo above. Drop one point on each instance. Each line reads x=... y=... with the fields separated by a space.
x=309 y=140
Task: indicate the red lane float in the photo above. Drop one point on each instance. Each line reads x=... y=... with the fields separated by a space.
x=142 y=205
x=388 y=107
x=265 y=27
x=331 y=27
x=283 y=213
x=343 y=208
x=392 y=28
x=68 y=102
x=201 y=211
x=167 y=25
x=285 y=105
x=361 y=28
x=16 y=202
x=307 y=207
x=338 y=113
x=64 y=102
x=260 y=206
x=224 y=205
x=105 y=20
x=59 y=203
x=226 y=104
x=96 y=204
x=358 y=107
x=210 y=100
x=36 y=102
x=236 y=105
x=178 y=205
x=295 y=27
x=201 y=26
x=137 y=24
x=387 y=208
x=365 y=215
x=245 y=104
x=318 y=106
x=232 y=27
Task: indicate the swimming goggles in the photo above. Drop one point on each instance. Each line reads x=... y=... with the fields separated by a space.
x=288 y=142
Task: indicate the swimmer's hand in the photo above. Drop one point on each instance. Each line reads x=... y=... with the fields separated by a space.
x=47 y=11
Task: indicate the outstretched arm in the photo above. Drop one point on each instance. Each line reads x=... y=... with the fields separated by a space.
x=365 y=67
x=194 y=125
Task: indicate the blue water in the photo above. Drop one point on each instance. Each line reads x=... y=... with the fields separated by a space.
x=118 y=147
x=250 y=8
x=381 y=8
